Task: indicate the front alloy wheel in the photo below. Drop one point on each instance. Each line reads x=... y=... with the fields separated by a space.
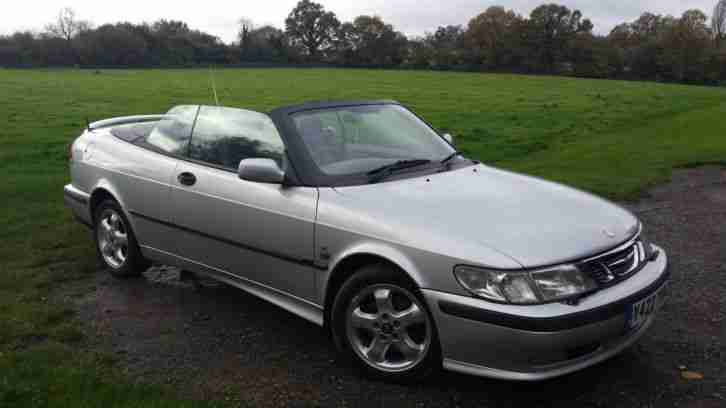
x=388 y=328
x=383 y=325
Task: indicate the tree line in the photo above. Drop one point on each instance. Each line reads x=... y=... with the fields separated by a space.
x=553 y=39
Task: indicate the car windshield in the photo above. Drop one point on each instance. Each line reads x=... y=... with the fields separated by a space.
x=359 y=139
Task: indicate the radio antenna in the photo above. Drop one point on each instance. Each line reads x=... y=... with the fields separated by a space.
x=214 y=86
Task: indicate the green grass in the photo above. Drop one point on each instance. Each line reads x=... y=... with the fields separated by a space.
x=613 y=138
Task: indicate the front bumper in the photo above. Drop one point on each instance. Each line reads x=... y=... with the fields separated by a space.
x=538 y=342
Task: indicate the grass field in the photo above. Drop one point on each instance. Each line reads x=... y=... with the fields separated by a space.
x=612 y=138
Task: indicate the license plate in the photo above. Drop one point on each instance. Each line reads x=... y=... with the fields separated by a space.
x=639 y=311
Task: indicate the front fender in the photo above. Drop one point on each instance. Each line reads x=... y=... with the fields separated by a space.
x=368 y=247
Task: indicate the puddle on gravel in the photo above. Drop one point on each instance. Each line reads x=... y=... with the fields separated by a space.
x=170 y=275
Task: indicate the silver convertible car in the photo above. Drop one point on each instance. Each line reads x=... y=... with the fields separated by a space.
x=359 y=217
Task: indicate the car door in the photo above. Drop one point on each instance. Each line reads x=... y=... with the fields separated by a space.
x=257 y=231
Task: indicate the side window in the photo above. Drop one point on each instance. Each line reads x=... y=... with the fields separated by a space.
x=172 y=133
x=224 y=136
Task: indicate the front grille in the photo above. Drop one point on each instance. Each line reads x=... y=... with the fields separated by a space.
x=617 y=264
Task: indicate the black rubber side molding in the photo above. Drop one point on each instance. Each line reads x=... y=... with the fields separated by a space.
x=306 y=262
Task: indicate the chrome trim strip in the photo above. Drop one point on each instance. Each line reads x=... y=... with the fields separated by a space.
x=624 y=259
x=637 y=259
x=641 y=248
x=618 y=248
x=304 y=308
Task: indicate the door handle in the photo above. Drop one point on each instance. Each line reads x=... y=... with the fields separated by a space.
x=186 y=178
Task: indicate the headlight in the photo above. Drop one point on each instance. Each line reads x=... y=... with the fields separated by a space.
x=520 y=287
x=562 y=282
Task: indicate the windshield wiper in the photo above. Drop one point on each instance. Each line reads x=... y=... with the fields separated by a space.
x=382 y=172
x=451 y=157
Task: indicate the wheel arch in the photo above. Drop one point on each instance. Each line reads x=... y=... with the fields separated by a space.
x=348 y=262
x=102 y=191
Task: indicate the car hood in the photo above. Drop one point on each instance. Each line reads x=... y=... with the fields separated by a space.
x=532 y=221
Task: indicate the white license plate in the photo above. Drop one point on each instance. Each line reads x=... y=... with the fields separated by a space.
x=641 y=310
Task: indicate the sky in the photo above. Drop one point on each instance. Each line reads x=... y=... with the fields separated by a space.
x=412 y=17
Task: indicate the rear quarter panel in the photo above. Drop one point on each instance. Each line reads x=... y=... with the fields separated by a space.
x=137 y=178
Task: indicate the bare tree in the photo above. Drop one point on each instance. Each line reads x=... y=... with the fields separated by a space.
x=245 y=27
x=67 y=25
x=718 y=22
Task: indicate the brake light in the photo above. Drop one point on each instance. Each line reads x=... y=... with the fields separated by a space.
x=70 y=150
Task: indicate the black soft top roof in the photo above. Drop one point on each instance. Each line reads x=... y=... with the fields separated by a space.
x=287 y=110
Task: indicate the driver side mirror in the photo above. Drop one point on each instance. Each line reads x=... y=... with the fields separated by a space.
x=448 y=138
x=260 y=171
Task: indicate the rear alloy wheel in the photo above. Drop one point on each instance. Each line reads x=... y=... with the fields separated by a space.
x=382 y=324
x=115 y=241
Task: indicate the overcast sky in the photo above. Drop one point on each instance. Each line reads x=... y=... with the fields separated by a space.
x=413 y=17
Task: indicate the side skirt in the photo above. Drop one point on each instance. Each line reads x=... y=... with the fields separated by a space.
x=293 y=304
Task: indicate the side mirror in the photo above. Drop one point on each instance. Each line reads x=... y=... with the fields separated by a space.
x=261 y=171
x=448 y=138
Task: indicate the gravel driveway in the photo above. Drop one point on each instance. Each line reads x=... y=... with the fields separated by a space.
x=219 y=342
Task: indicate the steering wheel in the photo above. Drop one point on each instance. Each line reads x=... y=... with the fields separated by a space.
x=332 y=149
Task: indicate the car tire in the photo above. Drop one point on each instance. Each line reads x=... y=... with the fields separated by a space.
x=381 y=324
x=116 y=244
